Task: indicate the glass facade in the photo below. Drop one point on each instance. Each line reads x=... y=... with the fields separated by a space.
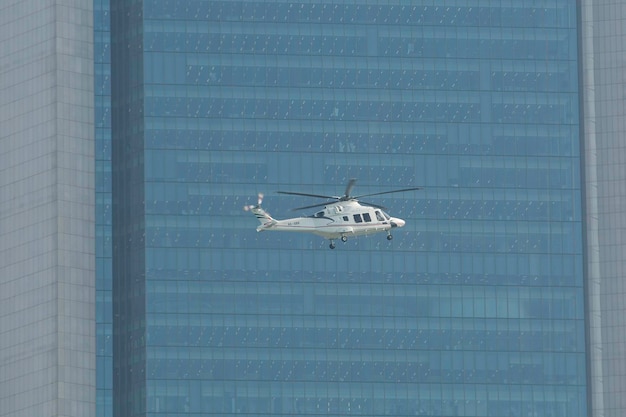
x=104 y=303
x=475 y=308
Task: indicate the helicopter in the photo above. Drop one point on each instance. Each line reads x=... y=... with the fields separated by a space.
x=339 y=219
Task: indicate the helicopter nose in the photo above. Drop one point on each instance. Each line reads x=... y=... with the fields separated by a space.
x=395 y=222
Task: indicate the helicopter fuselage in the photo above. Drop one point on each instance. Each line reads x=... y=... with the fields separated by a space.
x=337 y=220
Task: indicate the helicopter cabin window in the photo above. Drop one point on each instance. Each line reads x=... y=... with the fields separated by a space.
x=366 y=217
x=345 y=218
x=357 y=218
x=379 y=216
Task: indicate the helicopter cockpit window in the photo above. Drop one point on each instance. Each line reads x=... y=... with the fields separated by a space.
x=357 y=218
x=366 y=217
x=386 y=216
x=379 y=216
x=319 y=214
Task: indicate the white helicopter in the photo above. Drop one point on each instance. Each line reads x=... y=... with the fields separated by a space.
x=339 y=219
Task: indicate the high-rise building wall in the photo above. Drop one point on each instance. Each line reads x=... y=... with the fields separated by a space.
x=47 y=322
x=104 y=281
x=268 y=70
x=476 y=307
x=604 y=94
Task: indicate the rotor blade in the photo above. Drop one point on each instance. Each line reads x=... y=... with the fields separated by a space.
x=390 y=192
x=306 y=194
x=349 y=187
x=364 y=203
x=313 y=205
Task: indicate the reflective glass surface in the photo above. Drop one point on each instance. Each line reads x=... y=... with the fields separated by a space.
x=104 y=306
x=475 y=308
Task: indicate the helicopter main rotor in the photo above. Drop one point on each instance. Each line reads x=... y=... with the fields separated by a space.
x=345 y=197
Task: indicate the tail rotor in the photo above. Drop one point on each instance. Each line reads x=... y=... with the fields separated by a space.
x=266 y=221
x=258 y=204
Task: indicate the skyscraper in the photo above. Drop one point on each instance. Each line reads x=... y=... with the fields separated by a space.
x=501 y=296
x=476 y=308
x=47 y=271
x=104 y=283
x=604 y=119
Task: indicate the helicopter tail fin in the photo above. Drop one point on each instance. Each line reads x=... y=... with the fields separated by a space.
x=262 y=216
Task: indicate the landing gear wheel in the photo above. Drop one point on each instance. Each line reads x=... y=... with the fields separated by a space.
x=332 y=245
x=389 y=237
x=344 y=239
